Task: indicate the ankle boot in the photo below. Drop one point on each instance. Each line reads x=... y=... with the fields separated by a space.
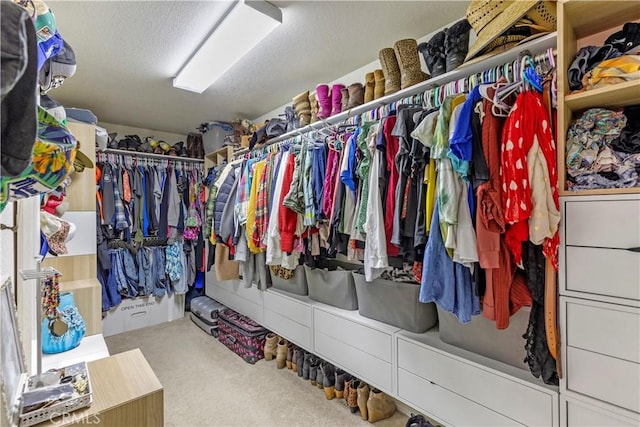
x=302 y=107
x=313 y=371
x=306 y=366
x=369 y=87
x=390 y=69
x=320 y=376
x=418 y=421
x=378 y=88
x=363 y=398
x=457 y=44
x=351 y=397
x=434 y=54
x=336 y=99
x=270 y=346
x=340 y=378
x=324 y=101
x=344 y=93
x=313 y=101
x=294 y=359
x=329 y=380
x=356 y=95
x=281 y=353
x=290 y=348
x=379 y=406
x=300 y=361
x=409 y=62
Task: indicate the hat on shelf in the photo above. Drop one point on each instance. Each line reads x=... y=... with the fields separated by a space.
x=81 y=160
x=57 y=242
x=54 y=108
x=502 y=24
x=58 y=68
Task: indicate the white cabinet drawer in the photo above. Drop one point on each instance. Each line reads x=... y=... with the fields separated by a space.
x=611 y=223
x=286 y=306
x=451 y=408
x=603 y=377
x=369 y=340
x=356 y=361
x=511 y=398
x=607 y=329
x=581 y=414
x=611 y=272
x=291 y=330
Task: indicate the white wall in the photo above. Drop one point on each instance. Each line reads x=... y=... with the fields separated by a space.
x=6 y=244
x=358 y=75
x=171 y=138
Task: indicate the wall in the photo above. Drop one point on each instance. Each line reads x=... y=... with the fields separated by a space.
x=171 y=138
x=6 y=244
x=358 y=74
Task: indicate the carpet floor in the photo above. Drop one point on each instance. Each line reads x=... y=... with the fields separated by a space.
x=205 y=384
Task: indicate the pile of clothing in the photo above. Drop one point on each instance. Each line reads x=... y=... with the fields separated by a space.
x=603 y=149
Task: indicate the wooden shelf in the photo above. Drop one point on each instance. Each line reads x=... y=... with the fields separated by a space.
x=590 y=17
x=600 y=192
x=619 y=95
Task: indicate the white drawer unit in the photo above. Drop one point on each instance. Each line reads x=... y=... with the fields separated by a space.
x=511 y=400
x=136 y=313
x=602 y=351
x=233 y=294
x=362 y=346
x=290 y=317
x=578 y=413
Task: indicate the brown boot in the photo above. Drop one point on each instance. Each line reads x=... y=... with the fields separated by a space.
x=378 y=89
x=329 y=380
x=341 y=378
x=302 y=106
x=356 y=96
x=379 y=406
x=369 y=87
x=289 y=363
x=281 y=353
x=390 y=69
x=409 y=63
x=351 y=394
x=314 y=107
x=270 y=346
x=363 y=398
x=345 y=98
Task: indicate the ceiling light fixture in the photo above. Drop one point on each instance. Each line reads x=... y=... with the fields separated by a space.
x=243 y=27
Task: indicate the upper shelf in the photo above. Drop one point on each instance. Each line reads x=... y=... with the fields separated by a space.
x=619 y=95
x=151 y=155
x=584 y=21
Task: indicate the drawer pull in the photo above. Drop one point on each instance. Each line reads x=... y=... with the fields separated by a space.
x=636 y=249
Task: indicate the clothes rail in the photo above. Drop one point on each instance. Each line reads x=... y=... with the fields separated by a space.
x=150 y=155
x=540 y=44
x=129 y=158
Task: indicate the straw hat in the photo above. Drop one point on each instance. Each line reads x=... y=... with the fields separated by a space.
x=491 y=18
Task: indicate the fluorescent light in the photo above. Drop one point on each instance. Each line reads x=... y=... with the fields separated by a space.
x=244 y=26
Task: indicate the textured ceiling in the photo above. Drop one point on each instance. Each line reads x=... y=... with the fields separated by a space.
x=128 y=53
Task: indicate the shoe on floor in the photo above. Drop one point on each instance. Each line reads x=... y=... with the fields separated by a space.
x=379 y=406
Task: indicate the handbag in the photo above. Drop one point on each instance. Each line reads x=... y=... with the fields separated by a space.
x=63 y=328
x=51 y=162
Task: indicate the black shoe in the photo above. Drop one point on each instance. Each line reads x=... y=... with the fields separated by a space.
x=457 y=44
x=433 y=54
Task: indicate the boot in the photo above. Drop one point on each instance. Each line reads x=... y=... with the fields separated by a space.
x=306 y=366
x=356 y=95
x=418 y=421
x=270 y=346
x=302 y=107
x=320 y=376
x=281 y=353
x=324 y=101
x=363 y=398
x=344 y=93
x=294 y=359
x=379 y=406
x=457 y=44
x=409 y=62
x=390 y=69
x=351 y=396
x=340 y=379
x=289 y=362
x=369 y=87
x=313 y=371
x=329 y=380
x=313 y=101
x=433 y=54
x=336 y=99
x=300 y=361
x=378 y=88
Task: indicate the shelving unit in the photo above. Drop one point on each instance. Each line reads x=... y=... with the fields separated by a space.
x=582 y=23
x=151 y=155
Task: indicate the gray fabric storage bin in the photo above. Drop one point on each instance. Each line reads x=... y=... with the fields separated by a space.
x=297 y=285
x=481 y=336
x=394 y=303
x=334 y=288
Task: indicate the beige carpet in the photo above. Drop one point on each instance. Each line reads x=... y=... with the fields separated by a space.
x=205 y=384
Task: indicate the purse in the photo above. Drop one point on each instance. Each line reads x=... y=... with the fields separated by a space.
x=63 y=327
